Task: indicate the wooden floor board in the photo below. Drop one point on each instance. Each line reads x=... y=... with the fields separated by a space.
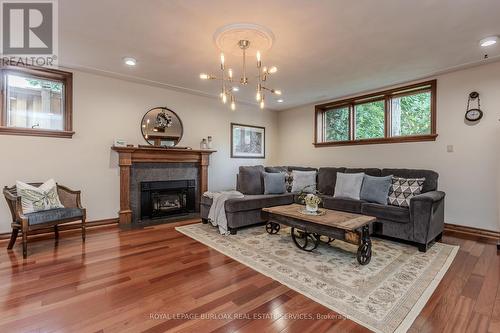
x=128 y=281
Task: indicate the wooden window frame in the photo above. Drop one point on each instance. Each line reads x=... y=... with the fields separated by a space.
x=45 y=74
x=386 y=96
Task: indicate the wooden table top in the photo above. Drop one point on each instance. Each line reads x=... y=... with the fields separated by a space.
x=332 y=218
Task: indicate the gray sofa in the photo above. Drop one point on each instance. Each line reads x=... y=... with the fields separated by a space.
x=421 y=223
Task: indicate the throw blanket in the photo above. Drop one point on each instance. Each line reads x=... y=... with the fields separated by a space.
x=217 y=213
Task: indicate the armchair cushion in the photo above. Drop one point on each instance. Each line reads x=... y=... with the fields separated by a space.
x=53 y=215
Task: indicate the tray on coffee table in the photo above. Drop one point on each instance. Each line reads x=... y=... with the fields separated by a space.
x=307 y=229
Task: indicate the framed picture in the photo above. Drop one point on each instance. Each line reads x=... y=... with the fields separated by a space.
x=248 y=141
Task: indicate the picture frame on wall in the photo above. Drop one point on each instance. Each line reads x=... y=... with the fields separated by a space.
x=248 y=141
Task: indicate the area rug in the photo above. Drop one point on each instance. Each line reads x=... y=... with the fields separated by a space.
x=385 y=296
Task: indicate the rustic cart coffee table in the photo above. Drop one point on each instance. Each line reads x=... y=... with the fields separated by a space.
x=307 y=229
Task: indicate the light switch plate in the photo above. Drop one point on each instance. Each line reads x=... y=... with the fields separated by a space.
x=450 y=148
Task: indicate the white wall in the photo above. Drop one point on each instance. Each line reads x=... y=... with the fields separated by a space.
x=469 y=175
x=105 y=109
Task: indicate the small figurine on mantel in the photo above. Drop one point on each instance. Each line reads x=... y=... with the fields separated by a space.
x=209 y=142
x=203 y=144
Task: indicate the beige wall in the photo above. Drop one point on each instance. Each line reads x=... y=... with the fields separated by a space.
x=105 y=109
x=469 y=175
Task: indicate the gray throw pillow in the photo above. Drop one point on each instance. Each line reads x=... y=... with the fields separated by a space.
x=274 y=183
x=376 y=189
x=304 y=181
x=250 y=179
x=348 y=185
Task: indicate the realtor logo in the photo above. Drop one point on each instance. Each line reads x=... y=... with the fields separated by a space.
x=29 y=28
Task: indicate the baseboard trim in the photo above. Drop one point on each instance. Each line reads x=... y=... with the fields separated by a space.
x=68 y=226
x=471 y=231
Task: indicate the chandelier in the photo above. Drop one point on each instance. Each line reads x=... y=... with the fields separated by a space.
x=229 y=84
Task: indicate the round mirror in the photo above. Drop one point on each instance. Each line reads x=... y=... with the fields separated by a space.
x=161 y=127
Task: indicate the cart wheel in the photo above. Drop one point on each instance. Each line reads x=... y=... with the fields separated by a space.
x=364 y=254
x=272 y=228
x=304 y=240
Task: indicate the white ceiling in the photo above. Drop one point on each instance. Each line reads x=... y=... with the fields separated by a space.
x=323 y=49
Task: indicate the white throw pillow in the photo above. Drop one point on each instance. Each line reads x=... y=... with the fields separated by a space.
x=304 y=181
x=34 y=199
x=348 y=185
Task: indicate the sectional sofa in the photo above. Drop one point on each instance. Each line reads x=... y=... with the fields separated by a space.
x=420 y=224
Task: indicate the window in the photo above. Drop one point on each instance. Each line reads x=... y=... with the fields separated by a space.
x=36 y=101
x=399 y=115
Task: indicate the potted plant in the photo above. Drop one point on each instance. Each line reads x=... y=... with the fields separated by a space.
x=311 y=200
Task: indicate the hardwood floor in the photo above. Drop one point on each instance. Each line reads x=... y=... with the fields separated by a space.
x=130 y=281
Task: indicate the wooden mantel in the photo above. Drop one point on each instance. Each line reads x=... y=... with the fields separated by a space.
x=130 y=155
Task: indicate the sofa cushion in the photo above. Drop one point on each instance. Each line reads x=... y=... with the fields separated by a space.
x=369 y=171
x=342 y=204
x=385 y=212
x=376 y=189
x=327 y=178
x=300 y=168
x=251 y=202
x=276 y=169
x=53 y=215
x=250 y=179
x=274 y=183
x=304 y=181
x=431 y=177
x=403 y=189
x=348 y=185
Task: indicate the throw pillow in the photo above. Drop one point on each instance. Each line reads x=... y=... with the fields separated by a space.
x=34 y=199
x=376 y=189
x=403 y=189
x=304 y=181
x=274 y=183
x=250 y=179
x=348 y=185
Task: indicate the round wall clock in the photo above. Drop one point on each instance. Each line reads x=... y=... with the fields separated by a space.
x=473 y=114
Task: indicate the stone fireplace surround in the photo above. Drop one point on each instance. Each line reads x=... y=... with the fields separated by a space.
x=148 y=172
x=151 y=163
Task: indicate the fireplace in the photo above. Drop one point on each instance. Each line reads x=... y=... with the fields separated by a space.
x=163 y=199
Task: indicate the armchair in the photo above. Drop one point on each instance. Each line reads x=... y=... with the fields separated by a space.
x=72 y=212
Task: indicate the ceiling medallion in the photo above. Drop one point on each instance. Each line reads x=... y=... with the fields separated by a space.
x=242 y=39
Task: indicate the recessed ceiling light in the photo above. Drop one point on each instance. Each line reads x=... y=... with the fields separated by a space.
x=488 y=41
x=236 y=89
x=279 y=101
x=129 y=61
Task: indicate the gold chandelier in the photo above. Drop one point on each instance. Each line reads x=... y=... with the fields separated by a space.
x=227 y=80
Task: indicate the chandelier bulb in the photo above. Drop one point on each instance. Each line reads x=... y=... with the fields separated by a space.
x=233 y=106
x=273 y=70
x=258 y=96
x=277 y=92
x=262 y=104
x=224 y=98
x=230 y=73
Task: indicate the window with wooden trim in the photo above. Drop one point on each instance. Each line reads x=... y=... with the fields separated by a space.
x=36 y=102
x=405 y=114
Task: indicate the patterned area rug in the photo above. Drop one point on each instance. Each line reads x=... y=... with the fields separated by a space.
x=385 y=296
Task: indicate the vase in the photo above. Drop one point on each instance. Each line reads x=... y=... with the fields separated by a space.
x=312 y=208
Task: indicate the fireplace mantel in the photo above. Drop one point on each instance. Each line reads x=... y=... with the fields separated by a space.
x=131 y=155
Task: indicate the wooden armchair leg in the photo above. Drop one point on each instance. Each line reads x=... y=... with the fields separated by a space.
x=13 y=238
x=25 y=244
x=56 y=231
x=83 y=231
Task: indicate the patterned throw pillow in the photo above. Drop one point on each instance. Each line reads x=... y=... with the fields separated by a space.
x=288 y=181
x=403 y=189
x=34 y=199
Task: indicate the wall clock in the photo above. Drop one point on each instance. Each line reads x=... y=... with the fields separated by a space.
x=473 y=114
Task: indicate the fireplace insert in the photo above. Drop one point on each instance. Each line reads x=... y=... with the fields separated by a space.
x=161 y=199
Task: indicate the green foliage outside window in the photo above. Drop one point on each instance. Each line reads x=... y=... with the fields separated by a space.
x=337 y=124
x=370 y=118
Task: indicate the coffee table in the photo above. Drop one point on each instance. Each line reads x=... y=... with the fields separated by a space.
x=307 y=229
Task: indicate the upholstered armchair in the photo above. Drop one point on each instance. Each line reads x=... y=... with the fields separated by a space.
x=26 y=223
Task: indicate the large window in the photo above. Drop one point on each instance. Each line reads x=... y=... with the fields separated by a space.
x=399 y=115
x=36 y=101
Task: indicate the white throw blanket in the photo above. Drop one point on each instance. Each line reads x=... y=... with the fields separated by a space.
x=217 y=213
